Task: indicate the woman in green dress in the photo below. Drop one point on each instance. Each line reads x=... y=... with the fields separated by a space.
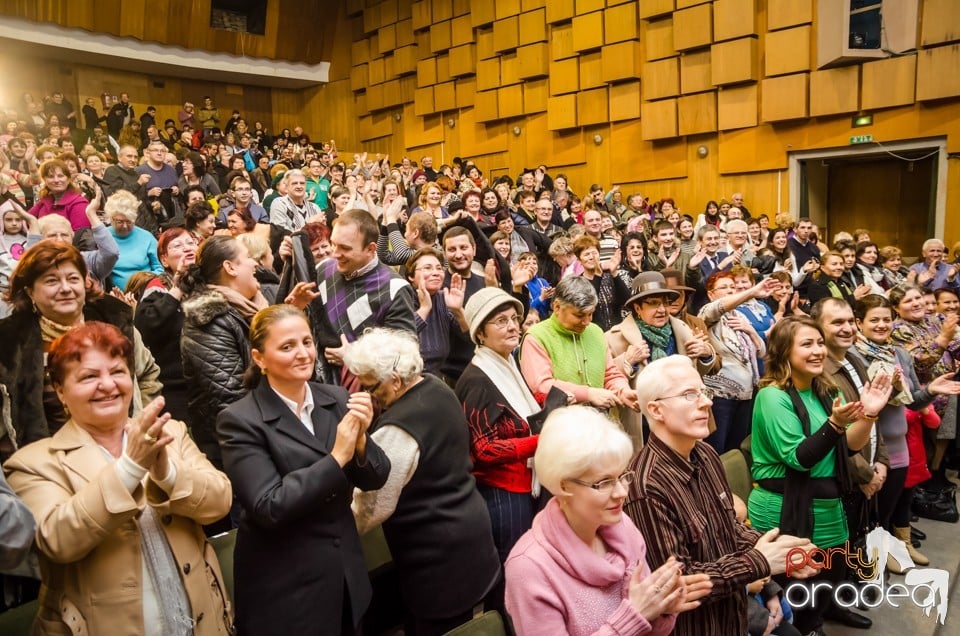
x=802 y=434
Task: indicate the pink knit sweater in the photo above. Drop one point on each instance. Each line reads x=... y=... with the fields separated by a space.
x=557 y=585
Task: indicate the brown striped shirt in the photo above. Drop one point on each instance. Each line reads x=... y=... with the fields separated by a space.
x=685 y=508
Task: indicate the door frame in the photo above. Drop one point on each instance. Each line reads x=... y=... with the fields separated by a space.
x=879 y=150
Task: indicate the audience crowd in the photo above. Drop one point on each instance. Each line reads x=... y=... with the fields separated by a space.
x=526 y=384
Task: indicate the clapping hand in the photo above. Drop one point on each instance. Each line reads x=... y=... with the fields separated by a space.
x=147 y=441
x=454 y=295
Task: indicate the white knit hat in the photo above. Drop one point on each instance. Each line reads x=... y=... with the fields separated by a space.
x=485 y=302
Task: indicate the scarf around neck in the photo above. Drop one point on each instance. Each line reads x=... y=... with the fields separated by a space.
x=246 y=306
x=881 y=358
x=658 y=337
x=506 y=377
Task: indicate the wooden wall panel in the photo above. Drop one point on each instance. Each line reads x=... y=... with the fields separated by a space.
x=695 y=72
x=937 y=75
x=693 y=27
x=788 y=13
x=564 y=76
x=588 y=31
x=835 y=91
x=561 y=42
x=783 y=98
x=533 y=61
x=533 y=26
x=737 y=107
x=941 y=22
x=621 y=61
x=620 y=23
x=535 y=95
x=562 y=112
x=655 y=8
x=482 y=12
x=893 y=82
x=510 y=101
x=697 y=114
x=625 y=101
x=506 y=34
x=788 y=51
x=560 y=11
x=734 y=61
x=658 y=36
x=591 y=70
x=461 y=31
x=661 y=79
x=592 y=107
x=734 y=19
x=659 y=119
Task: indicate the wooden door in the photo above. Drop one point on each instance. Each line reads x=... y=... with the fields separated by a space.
x=889 y=197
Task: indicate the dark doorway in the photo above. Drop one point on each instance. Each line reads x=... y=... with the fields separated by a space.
x=892 y=198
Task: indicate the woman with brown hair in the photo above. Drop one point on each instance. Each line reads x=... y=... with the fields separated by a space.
x=49 y=295
x=59 y=195
x=802 y=436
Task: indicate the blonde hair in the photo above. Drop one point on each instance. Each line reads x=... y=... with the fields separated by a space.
x=122 y=203
x=575 y=439
x=257 y=246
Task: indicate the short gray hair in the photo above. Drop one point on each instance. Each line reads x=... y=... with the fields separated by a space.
x=295 y=172
x=122 y=203
x=52 y=221
x=576 y=291
x=930 y=242
x=380 y=352
x=653 y=382
x=575 y=439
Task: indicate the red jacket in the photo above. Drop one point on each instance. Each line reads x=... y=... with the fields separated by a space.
x=917 y=471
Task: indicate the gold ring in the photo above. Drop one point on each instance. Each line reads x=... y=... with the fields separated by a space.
x=150 y=439
x=657 y=589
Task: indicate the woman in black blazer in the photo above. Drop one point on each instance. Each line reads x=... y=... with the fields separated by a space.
x=298 y=565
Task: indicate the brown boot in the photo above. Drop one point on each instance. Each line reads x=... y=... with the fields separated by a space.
x=904 y=535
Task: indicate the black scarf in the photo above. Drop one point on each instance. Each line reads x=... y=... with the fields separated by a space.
x=799 y=489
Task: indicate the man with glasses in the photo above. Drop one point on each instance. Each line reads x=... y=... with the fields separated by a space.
x=681 y=502
x=651 y=333
x=242 y=191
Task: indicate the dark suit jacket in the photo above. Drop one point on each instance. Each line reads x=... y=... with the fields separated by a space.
x=297 y=545
x=860 y=465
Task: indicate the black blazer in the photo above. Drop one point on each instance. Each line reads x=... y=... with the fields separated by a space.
x=297 y=544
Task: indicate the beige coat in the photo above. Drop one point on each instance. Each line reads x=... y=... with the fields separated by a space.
x=89 y=539
x=627 y=333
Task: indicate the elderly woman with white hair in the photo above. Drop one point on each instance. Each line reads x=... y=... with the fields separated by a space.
x=582 y=568
x=933 y=272
x=435 y=522
x=138 y=247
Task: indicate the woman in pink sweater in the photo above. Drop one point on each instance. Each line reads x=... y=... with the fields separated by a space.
x=582 y=570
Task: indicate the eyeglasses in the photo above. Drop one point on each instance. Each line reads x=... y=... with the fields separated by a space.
x=692 y=395
x=606 y=486
x=504 y=321
x=429 y=268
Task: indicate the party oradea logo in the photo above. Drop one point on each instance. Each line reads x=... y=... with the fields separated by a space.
x=926 y=588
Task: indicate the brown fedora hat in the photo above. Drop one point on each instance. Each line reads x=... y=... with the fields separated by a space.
x=650 y=284
x=674 y=280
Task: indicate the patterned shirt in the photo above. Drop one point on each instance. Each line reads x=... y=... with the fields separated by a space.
x=685 y=508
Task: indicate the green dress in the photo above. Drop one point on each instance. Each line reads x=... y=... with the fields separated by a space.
x=777 y=432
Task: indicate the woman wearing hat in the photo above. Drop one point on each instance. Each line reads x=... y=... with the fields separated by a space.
x=497 y=403
x=651 y=333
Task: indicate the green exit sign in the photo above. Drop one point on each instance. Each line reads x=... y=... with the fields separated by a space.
x=861 y=139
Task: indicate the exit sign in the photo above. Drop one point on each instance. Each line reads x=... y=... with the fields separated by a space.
x=861 y=139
